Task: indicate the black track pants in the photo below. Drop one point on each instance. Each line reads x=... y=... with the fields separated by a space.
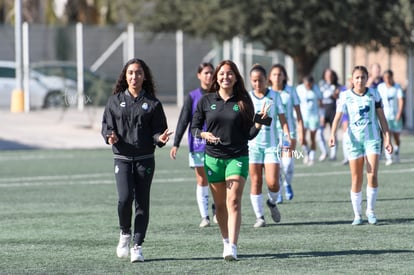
x=133 y=182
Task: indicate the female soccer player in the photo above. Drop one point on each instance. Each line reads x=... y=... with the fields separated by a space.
x=365 y=110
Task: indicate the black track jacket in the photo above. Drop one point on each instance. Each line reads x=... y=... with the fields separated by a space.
x=138 y=122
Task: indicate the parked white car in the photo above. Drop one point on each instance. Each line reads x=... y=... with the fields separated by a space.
x=45 y=91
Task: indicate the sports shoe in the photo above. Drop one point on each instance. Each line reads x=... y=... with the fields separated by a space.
x=289 y=192
x=230 y=252
x=122 y=249
x=397 y=156
x=279 y=198
x=274 y=211
x=205 y=222
x=357 y=221
x=305 y=159
x=260 y=222
x=388 y=162
x=136 y=254
x=372 y=219
x=322 y=157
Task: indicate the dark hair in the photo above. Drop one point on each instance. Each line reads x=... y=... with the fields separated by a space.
x=389 y=72
x=239 y=91
x=334 y=76
x=203 y=65
x=258 y=68
x=309 y=79
x=360 y=68
x=282 y=68
x=148 y=84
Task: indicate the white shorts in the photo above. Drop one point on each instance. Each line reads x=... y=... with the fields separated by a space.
x=196 y=159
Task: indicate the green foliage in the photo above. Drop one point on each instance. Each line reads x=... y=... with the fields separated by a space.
x=302 y=29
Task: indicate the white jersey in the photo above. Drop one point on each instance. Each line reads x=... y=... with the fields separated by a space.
x=268 y=135
x=361 y=109
x=390 y=97
x=290 y=99
x=309 y=101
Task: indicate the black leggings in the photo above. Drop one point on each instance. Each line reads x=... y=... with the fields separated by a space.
x=133 y=182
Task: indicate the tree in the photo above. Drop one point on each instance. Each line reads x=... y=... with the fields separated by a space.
x=302 y=29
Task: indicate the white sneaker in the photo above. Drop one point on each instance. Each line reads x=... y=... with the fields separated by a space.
x=122 y=249
x=260 y=222
x=230 y=252
x=205 y=222
x=322 y=157
x=136 y=254
x=226 y=246
x=388 y=162
x=215 y=219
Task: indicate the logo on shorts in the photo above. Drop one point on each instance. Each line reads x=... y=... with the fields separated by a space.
x=240 y=164
x=213 y=106
x=122 y=104
x=236 y=108
x=116 y=169
x=209 y=172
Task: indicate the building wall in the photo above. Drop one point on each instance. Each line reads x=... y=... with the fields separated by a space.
x=396 y=62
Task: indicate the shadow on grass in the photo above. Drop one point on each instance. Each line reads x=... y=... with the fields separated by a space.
x=12 y=145
x=348 y=222
x=328 y=253
x=342 y=201
x=313 y=254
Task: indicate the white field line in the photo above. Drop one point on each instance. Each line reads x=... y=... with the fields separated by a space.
x=108 y=178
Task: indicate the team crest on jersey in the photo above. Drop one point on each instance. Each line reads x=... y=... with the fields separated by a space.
x=145 y=106
x=213 y=106
x=236 y=108
x=122 y=104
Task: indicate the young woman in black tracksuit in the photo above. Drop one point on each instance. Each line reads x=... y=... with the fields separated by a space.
x=134 y=123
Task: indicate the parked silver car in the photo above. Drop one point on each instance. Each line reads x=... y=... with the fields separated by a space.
x=45 y=91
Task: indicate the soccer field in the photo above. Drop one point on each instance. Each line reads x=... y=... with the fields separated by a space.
x=58 y=216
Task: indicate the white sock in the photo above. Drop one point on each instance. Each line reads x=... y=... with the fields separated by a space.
x=344 y=151
x=332 y=152
x=312 y=155
x=388 y=156
x=371 y=199
x=257 y=204
x=287 y=166
x=321 y=140
x=202 y=200
x=396 y=149
x=272 y=196
x=356 y=200
x=305 y=150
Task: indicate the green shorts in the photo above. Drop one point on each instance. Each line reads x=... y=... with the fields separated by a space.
x=218 y=170
x=311 y=123
x=196 y=159
x=395 y=126
x=259 y=155
x=362 y=148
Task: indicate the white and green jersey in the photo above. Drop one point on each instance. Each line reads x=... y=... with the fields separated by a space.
x=390 y=97
x=361 y=109
x=290 y=99
x=268 y=135
x=309 y=101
